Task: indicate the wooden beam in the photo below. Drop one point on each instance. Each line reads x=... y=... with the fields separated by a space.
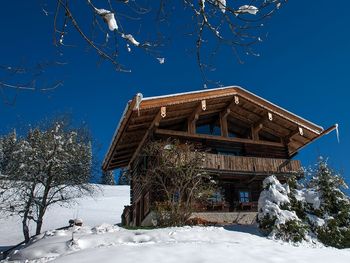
x=223 y=123
x=217 y=138
x=225 y=113
x=120 y=153
x=253 y=179
x=125 y=158
x=261 y=120
x=155 y=123
x=121 y=129
x=233 y=103
x=330 y=129
x=118 y=165
x=289 y=137
x=126 y=146
x=255 y=130
x=192 y=119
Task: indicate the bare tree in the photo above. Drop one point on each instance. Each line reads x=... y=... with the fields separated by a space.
x=175 y=171
x=116 y=23
x=47 y=167
x=15 y=79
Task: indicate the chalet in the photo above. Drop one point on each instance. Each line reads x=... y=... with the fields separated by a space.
x=245 y=137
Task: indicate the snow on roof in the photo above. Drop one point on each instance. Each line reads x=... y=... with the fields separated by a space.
x=188 y=92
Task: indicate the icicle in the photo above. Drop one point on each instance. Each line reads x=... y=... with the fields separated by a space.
x=139 y=98
x=337 y=131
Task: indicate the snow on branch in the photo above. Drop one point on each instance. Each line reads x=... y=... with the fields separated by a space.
x=249 y=9
x=212 y=24
x=108 y=17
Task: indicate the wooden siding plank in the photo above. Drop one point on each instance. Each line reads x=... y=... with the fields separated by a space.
x=250 y=164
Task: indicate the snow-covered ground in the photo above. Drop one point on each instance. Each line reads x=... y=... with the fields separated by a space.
x=106 y=207
x=108 y=243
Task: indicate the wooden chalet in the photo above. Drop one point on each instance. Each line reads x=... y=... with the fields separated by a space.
x=245 y=137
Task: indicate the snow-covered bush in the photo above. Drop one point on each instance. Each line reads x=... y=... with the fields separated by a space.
x=318 y=208
x=276 y=217
x=329 y=207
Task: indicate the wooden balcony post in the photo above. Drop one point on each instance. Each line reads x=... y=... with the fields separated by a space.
x=192 y=119
x=255 y=131
x=223 y=122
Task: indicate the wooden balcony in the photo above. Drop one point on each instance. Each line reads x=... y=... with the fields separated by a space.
x=255 y=165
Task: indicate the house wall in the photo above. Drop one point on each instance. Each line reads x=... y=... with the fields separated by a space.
x=230 y=183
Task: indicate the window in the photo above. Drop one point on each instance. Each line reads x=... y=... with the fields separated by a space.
x=243 y=196
x=233 y=152
x=216 y=197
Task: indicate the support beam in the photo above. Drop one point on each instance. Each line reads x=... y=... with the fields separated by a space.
x=232 y=104
x=223 y=123
x=255 y=131
x=224 y=114
x=330 y=129
x=289 y=137
x=253 y=179
x=192 y=119
x=181 y=134
x=154 y=124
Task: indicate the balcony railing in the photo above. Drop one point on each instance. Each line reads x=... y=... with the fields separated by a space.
x=251 y=164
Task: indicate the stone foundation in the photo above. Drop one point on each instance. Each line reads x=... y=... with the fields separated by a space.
x=242 y=218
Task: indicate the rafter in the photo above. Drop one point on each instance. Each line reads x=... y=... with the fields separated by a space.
x=154 y=124
x=290 y=136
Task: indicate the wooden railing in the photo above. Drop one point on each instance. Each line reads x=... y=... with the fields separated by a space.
x=250 y=164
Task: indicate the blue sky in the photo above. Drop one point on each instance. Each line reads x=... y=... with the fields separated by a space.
x=303 y=67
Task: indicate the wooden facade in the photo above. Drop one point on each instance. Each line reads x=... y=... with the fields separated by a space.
x=244 y=137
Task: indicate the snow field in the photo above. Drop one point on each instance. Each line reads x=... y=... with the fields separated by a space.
x=106 y=207
x=110 y=243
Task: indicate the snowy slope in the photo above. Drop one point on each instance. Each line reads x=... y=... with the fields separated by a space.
x=186 y=244
x=108 y=243
x=106 y=207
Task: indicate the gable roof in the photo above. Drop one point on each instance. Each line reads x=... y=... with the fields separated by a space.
x=140 y=114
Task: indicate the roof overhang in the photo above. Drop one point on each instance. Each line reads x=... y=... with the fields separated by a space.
x=141 y=114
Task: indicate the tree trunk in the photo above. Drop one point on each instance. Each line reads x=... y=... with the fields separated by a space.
x=25 y=229
x=39 y=224
x=43 y=203
x=25 y=222
x=42 y=209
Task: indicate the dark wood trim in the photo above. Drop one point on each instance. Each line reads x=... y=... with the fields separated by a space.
x=223 y=123
x=330 y=129
x=116 y=138
x=192 y=119
x=155 y=123
x=255 y=131
x=217 y=138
